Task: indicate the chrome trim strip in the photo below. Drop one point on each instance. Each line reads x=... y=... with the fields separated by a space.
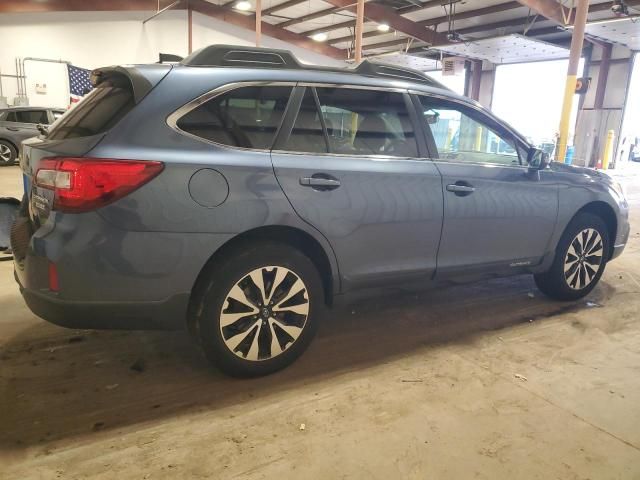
x=347 y=155
x=481 y=164
x=354 y=87
x=173 y=118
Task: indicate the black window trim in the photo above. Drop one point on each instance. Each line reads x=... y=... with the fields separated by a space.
x=480 y=115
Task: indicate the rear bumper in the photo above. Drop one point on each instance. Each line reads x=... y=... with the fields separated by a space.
x=163 y=315
x=107 y=278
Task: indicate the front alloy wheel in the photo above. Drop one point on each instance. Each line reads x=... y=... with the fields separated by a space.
x=580 y=259
x=264 y=313
x=583 y=259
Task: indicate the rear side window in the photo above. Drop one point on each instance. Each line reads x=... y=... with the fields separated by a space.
x=367 y=122
x=97 y=112
x=352 y=121
x=28 y=116
x=246 y=117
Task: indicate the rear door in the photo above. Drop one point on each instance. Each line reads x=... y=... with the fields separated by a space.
x=498 y=213
x=349 y=163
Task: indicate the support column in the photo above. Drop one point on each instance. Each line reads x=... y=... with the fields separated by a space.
x=582 y=9
x=476 y=79
x=603 y=75
x=359 y=24
x=258 y=22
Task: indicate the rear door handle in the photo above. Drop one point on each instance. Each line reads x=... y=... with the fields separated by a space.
x=13 y=129
x=461 y=189
x=320 y=182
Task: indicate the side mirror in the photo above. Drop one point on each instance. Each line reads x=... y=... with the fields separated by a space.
x=43 y=129
x=538 y=159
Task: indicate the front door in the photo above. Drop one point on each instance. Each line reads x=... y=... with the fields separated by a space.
x=498 y=213
x=350 y=165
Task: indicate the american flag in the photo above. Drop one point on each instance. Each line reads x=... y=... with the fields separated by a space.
x=79 y=83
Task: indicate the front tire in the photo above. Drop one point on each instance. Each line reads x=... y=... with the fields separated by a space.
x=260 y=310
x=8 y=153
x=581 y=256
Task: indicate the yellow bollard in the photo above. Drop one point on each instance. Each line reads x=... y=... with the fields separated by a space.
x=447 y=142
x=478 y=145
x=608 y=149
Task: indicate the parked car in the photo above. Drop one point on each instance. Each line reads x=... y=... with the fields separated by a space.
x=18 y=124
x=239 y=194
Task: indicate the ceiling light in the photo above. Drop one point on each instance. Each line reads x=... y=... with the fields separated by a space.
x=383 y=27
x=243 y=5
x=320 y=37
x=608 y=20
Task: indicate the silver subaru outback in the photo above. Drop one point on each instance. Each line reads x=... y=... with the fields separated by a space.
x=239 y=194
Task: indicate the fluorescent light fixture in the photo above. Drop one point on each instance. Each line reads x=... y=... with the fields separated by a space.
x=320 y=37
x=608 y=20
x=243 y=5
x=383 y=27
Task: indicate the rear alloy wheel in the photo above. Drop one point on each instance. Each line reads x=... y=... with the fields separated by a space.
x=259 y=311
x=264 y=313
x=581 y=256
x=8 y=153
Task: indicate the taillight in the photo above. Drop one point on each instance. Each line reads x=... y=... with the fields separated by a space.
x=83 y=184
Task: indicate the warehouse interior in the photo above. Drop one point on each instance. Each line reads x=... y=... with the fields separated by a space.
x=488 y=379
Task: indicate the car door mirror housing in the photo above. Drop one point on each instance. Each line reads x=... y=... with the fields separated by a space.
x=538 y=159
x=43 y=129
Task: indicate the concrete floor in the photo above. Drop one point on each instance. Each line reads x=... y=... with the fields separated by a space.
x=479 y=381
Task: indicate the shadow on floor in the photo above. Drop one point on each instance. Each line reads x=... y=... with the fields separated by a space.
x=57 y=383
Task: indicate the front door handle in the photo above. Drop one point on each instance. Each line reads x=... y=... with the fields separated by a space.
x=320 y=181
x=461 y=189
x=13 y=129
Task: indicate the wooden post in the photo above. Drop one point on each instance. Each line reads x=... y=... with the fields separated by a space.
x=190 y=27
x=359 y=24
x=258 y=22
x=575 y=52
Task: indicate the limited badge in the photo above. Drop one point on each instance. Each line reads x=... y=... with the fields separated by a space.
x=39 y=202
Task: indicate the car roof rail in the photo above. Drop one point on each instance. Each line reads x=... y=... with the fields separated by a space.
x=237 y=56
x=258 y=57
x=379 y=69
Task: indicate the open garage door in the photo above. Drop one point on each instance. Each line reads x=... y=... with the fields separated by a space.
x=629 y=146
x=529 y=97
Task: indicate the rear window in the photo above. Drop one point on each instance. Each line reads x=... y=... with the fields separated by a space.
x=246 y=117
x=97 y=112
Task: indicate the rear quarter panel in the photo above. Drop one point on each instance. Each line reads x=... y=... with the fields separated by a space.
x=254 y=199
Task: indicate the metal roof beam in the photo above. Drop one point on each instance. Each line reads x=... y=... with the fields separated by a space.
x=381 y=14
x=550 y=9
x=248 y=22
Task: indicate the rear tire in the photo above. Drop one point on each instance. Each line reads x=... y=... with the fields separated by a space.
x=581 y=256
x=8 y=153
x=259 y=309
